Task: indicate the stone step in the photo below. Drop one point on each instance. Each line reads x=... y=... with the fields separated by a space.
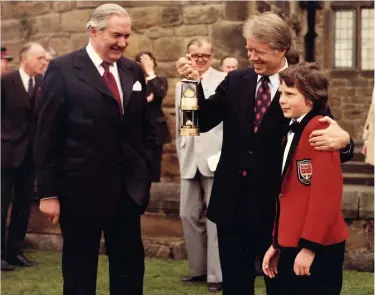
x=358 y=179
x=357 y=167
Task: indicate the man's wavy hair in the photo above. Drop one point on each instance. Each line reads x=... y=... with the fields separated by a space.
x=309 y=81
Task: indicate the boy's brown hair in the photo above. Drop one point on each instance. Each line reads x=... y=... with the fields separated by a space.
x=309 y=81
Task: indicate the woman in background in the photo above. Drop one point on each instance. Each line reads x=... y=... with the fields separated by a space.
x=157 y=88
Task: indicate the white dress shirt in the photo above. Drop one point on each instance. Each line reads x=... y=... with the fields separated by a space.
x=97 y=60
x=25 y=79
x=290 y=137
x=274 y=82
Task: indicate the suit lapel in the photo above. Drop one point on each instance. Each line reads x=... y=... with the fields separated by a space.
x=89 y=73
x=246 y=104
x=295 y=141
x=291 y=152
x=127 y=81
x=20 y=89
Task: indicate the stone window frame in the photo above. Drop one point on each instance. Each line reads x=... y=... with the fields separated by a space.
x=329 y=29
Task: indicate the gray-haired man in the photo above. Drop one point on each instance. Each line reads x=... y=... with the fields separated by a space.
x=248 y=175
x=93 y=148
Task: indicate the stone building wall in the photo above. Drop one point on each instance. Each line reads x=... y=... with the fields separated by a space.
x=165 y=28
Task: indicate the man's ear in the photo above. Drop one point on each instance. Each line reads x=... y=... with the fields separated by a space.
x=281 y=53
x=93 y=32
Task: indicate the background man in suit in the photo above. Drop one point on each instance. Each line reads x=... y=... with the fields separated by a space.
x=228 y=64
x=5 y=59
x=248 y=174
x=197 y=178
x=20 y=90
x=94 y=144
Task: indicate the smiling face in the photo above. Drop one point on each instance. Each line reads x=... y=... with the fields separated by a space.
x=292 y=102
x=111 y=42
x=202 y=55
x=266 y=60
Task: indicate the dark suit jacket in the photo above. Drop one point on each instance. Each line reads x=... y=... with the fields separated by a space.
x=86 y=153
x=159 y=87
x=247 y=177
x=18 y=118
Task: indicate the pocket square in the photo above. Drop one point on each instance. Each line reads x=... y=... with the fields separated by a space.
x=137 y=86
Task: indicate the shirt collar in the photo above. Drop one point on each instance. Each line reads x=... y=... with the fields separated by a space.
x=274 y=79
x=206 y=73
x=94 y=56
x=299 y=119
x=24 y=75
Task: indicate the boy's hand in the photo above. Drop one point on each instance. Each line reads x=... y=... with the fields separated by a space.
x=303 y=262
x=270 y=261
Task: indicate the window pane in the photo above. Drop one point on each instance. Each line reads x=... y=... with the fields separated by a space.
x=367 y=39
x=344 y=38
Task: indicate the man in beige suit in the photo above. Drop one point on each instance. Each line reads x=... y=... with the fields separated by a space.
x=197 y=179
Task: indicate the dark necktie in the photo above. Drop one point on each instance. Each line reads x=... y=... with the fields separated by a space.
x=111 y=82
x=294 y=127
x=30 y=88
x=262 y=102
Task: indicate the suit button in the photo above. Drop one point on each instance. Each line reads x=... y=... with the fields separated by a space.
x=281 y=195
x=119 y=161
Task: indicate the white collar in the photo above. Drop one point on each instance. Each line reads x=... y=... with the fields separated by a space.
x=274 y=79
x=94 y=56
x=24 y=75
x=299 y=119
x=206 y=73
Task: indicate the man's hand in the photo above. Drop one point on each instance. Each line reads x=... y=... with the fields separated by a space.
x=51 y=208
x=330 y=139
x=303 y=262
x=150 y=97
x=270 y=261
x=187 y=68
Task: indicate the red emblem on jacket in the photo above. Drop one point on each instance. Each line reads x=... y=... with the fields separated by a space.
x=304 y=171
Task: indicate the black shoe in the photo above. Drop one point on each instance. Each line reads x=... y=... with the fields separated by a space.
x=21 y=260
x=5 y=266
x=196 y=279
x=215 y=287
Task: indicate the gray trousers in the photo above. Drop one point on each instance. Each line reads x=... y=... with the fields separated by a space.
x=200 y=233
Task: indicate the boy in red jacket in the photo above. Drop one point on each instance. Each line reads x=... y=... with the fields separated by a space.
x=309 y=232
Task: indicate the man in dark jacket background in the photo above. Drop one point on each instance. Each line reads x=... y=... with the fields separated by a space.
x=20 y=95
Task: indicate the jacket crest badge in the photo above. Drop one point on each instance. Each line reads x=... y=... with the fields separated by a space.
x=304 y=171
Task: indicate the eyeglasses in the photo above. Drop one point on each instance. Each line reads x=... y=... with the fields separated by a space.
x=204 y=57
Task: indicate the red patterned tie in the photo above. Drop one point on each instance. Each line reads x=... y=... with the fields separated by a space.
x=111 y=82
x=262 y=102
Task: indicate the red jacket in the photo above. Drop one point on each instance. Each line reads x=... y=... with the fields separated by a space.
x=309 y=204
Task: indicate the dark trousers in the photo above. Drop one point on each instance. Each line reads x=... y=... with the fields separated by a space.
x=17 y=186
x=238 y=249
x=125 y=251
x=155 y=169
x=326 y=272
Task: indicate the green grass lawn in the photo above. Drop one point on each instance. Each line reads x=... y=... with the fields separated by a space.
x=161 y=278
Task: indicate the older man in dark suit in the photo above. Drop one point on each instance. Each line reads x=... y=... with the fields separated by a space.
x=20 y=93
x=247 y=177
x=93 y=148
